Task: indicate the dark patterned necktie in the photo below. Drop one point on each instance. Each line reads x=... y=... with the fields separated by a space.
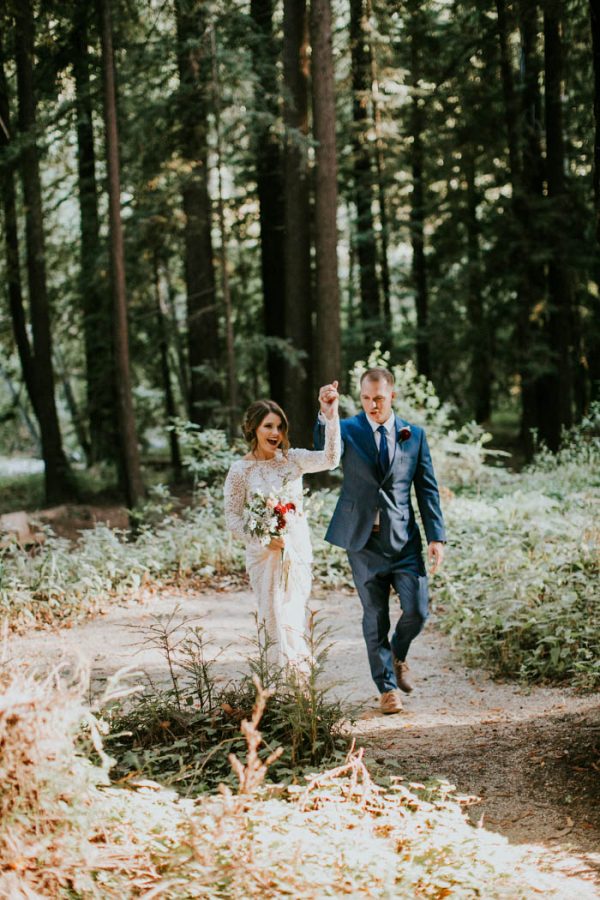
x=384 y=458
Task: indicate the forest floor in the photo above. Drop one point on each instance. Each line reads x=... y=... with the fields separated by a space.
x=531 y=754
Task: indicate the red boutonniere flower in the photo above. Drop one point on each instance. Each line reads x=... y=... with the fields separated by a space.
x=404 y=433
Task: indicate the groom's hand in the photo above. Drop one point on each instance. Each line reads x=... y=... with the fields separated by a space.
x=329 y=399
x=435 y=556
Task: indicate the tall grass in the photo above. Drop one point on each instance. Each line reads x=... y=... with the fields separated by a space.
x=67 y=832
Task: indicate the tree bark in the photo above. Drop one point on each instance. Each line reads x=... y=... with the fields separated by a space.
x=594 y=339
x=387 y=341
x=558 y=392
x=59 y=483
x=178 y=344
x=528 y=202
x=130 y=461
x=11 y=242
x=232 y=406
x=328 y=356
x=299 y=399
x=193 y=57
x=163 y=346
x=95 y=297
x=269 y=181
x=417 y=210
x=526 y=290
x=480 y=375
x=362 y=163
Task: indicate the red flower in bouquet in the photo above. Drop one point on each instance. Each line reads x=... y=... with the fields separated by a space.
x=281 y=510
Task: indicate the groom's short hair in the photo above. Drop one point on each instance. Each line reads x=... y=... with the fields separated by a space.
x=378 y=373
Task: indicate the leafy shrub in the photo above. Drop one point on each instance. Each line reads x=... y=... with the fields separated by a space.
x=519 y=591
x=206 y=453
x=183 y=735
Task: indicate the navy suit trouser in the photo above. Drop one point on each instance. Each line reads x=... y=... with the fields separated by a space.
x=375 y=571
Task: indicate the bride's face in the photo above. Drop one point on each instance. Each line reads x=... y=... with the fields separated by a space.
x=269 y=435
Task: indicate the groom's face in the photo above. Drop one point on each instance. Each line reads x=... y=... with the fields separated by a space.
x=376 y=398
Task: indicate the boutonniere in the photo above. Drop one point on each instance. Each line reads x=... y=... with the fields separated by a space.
x=404 y=433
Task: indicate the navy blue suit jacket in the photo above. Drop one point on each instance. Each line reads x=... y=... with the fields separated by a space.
x=364 y=491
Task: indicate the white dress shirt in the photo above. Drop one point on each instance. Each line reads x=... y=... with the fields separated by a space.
x=390 y=427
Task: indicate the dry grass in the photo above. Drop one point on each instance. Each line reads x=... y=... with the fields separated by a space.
x=65 y=831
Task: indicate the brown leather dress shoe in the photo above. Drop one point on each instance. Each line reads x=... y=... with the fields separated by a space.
x=390 y=702
x=400 y=670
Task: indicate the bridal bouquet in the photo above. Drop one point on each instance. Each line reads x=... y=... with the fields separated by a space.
x=267 y=517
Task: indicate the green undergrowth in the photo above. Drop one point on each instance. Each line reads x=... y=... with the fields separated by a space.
x=67 y=831
x=61 y=582
x=519 y=593
x=182 y=734
x=21 y=492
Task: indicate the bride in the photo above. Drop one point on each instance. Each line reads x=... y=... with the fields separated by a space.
x=279 y=568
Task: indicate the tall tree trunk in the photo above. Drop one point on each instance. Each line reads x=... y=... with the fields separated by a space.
x=525 y=286
x=232 y=405
x=193 y=57
x=594 y=339
x=11 y=242
x=130 y=461
x=78 y=418
x=178 y=344
x=417 y=210
x=269 y=181
x=363 y=174
x=328 y=355
x=299 y=399
x=163 y=346
x=387 y=342
x=480 y=375
x=94 y=294
x=384 y=246
x=558 y=392
x=58 y=480
x=529 y=207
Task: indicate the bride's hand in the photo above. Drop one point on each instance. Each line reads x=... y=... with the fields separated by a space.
x=277 y=543
x=329 y=399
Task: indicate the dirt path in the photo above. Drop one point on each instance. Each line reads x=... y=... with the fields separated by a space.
x=531 y=755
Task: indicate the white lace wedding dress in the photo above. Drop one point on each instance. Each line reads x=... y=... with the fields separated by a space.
x=281 y=582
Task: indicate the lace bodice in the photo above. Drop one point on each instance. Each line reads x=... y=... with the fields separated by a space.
x=248 y=476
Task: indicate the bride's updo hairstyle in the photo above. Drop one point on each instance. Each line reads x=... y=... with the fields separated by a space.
x=255 y=414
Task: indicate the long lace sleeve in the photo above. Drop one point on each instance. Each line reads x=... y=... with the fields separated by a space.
x=235 y=496
x=319 y=460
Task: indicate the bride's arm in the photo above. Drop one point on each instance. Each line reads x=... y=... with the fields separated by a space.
x=235 y=497
x=328 y=457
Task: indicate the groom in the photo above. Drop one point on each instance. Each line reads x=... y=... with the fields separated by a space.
x=374 y=521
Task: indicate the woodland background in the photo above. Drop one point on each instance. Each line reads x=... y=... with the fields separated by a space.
x=204 y=202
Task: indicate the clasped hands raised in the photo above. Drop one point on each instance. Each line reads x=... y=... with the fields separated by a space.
x=329 y=399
